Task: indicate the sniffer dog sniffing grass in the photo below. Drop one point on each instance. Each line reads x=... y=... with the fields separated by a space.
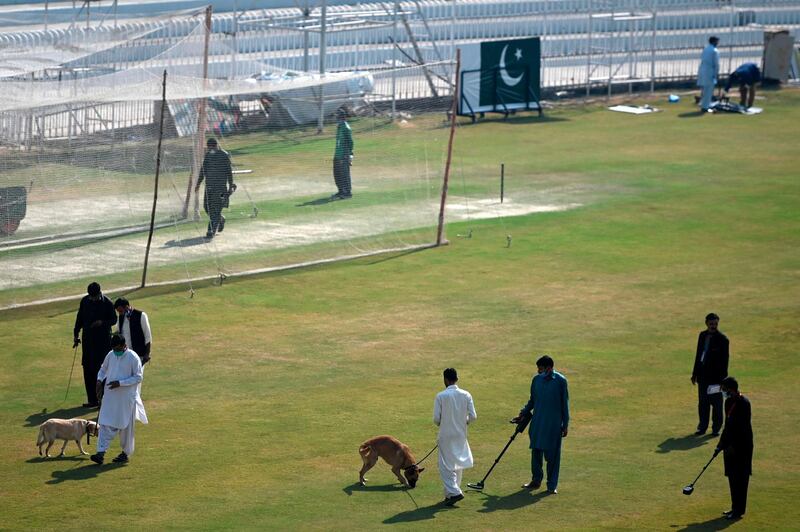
x=64 y=429
x=394 y=453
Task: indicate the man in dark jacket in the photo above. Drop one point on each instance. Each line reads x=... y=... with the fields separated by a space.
x=95 y=318
x=218 y=175
x=343 y=156
x=710 y=367
x=134 y=326
x=736 y=444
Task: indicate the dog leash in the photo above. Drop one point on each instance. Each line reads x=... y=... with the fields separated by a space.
x=427 y=455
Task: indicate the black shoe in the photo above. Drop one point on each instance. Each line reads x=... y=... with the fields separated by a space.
x=733 y=517
x=121 y=458
x=699 y=432
x=89 y=405
x=336 y=196
x=726 y=513
x=450 y=501
x=532 y=485
x=221 y=226
x=715 y=434
x=209 y=236
x=98 y=458
x=345 y=196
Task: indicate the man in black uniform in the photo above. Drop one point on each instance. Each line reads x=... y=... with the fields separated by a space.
x=218 y=174
x=736 y=444
x=95 y=317
x=710 y=367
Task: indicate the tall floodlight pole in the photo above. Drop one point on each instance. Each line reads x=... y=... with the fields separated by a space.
x=730 y=35
x=306 y=14
x=322 y=52
x=394 y=60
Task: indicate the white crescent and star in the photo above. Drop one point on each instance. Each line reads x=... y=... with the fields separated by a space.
x=507 y=79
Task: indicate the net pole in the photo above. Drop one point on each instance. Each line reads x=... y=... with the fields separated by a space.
x=158 y=169
x=453 y=111
x=201 y=125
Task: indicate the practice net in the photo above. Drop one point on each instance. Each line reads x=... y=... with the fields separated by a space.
x=78 y=161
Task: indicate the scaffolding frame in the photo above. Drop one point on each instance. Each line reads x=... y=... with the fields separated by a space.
x=618 y=35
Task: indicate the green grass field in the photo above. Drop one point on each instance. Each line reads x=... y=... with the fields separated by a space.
x=261 y=390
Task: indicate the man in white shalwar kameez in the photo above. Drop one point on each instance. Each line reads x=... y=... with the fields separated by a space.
x=453 y=410
x=708 y=72
x=121 y=405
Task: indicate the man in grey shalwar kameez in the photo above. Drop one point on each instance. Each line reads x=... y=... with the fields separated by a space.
x=549 y=404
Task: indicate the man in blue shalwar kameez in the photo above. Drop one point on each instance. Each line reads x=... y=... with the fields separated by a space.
x=549 y=407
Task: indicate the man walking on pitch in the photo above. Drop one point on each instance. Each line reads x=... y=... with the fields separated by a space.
x=549 y=406
x=710 y=367
x=708 y=72
x=95 y=318
x=117 y=382
x=736 y=444
x=342 y=156
x=453 y=410
x=218 y=174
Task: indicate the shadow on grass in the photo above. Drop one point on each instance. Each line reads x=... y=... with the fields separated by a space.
x=515 y=120
x=43 y=459
x=91 y=470
x=517 y=500
x=684 y=443
x=185 y=242
x=355 y=486
x=718 y=523
x=692 y=114
x=392 y=256
x=34 y=420
x=418 y=514
x=318 y=201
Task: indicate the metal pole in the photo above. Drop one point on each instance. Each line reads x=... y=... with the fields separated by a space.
x=235 y=39
x=654 y=22
x=322 y=52
x=158 y=168
x=394 y=60
x=45 y=14
x=502 y=180
x=306 y=14
x=201 y=126
x=453 y=111
x=730 y=36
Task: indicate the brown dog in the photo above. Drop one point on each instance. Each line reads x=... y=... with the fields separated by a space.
x=64 y=429
x=394 y=453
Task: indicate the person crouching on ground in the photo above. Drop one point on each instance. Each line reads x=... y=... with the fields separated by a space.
x=453 y=410
x=120 y=407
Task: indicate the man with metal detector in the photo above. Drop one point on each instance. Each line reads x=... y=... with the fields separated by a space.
x=736 y=444
x=453 y=410
x=95 y=318
x=710 y=367
x=218 y=175
x=548 y=407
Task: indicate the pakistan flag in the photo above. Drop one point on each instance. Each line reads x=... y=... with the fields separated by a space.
x=509 y=72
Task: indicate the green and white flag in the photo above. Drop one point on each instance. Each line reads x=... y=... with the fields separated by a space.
x=499 y=75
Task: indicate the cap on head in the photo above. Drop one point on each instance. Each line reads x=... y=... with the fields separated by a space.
x=211 y=143
x=545 y=361
x=121 y=302
x=341 y=113
x=711 y=316
x=730 y=383
x=713 y=40
x=450 y=375
x=93 y=289
x=117 y=340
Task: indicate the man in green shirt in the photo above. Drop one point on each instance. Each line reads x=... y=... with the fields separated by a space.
x=343 y=156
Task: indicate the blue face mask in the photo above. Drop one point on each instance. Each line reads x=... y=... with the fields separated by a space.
x=119 y=353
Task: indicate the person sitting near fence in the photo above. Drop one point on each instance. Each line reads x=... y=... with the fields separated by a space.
x=746 y=76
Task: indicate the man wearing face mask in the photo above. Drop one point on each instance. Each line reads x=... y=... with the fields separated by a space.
x=549 y=407
x=95 y=318
x=117 y=382
x=736 y=444
x=710 y=367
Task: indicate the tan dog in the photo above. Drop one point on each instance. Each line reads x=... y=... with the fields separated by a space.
x=394 y=453
x=64 y=429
